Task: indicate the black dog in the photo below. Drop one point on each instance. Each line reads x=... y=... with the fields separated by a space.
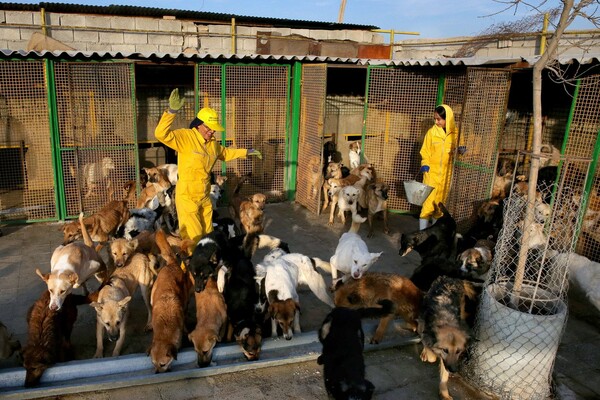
x=438 y=239
x=212 y=252
x=343 y=340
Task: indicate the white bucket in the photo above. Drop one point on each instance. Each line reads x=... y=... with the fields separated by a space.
x=417 y=192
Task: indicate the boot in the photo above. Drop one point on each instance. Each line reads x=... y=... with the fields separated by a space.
x=423 y=223
x=433 y=221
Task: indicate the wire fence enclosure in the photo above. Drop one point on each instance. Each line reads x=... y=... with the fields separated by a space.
x=524 y=304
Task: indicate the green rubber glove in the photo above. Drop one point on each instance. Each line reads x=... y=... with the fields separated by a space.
x=254 y=152
x=175 y=102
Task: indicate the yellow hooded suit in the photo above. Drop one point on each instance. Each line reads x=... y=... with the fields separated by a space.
x=195 y=159
x=437 y=150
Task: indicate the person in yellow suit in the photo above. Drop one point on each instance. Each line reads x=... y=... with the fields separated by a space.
x=436 y=162
x=197 y=153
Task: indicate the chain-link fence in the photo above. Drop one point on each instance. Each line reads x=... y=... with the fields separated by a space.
x=523 y=309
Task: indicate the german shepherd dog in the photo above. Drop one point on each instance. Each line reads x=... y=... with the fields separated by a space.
x=443 y=325
x=343 y=342
x=376 y=286
x=438 y=239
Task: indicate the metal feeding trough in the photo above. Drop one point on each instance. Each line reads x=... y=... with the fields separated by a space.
x=417 y=192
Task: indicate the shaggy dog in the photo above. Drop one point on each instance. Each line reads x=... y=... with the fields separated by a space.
x=477 y=260
x=442 y=325
x=169 y=298
x=48 y=335
x=376 y=286
x=343 y=339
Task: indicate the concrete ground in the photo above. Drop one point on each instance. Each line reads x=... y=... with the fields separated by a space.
x=396 y=370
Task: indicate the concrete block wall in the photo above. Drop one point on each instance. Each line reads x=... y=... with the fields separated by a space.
x=143 y=34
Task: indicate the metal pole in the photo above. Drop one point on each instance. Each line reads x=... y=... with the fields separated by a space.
x=544 y=34
x=292 y=167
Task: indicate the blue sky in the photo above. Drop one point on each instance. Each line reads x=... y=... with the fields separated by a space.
x=431 y=18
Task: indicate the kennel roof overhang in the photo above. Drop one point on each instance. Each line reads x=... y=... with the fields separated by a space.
x=199 y=16
x=523 y=62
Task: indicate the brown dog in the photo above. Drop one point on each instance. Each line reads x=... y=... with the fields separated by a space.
x=101 y=225
x=48 y=335
x=333 y=171
x=442 y=325
x=376 y=286
x=377 y=196
x=169 y=297
x=211 y=321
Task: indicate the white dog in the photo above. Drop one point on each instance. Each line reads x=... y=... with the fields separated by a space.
x=347 y=200
x=96 y=176
x=352 y=255
x=140 y=219
x=354 y=154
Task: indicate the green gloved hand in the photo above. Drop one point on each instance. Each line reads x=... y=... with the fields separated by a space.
x=175 y=102
x=254 y=152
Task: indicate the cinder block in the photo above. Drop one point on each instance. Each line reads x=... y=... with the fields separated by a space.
x=91 y=46
x=2 y=17
x=377 y=38
x=135 y=38
x=65 y=35
x=10 y=34
x=84 y=36
x=247 y=45
x=111 y=37
x=146 y=24
x=336 y=35
x=72 y=20
x=159 y=39
x=123 y=48
x=187 y=26
x=169 y=49
x=93 y=21
x=167 y=25
x=355 y=36
x=318 y=34
x=246 y=31
x=212 y=44
x=146 y=48
x=219 y=29
x=19 y=17
x=301 y=32
x=176 y=40
x=191 y=41
x=126 y=23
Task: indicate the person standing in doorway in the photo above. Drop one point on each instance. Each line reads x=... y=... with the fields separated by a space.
x=436 y=162
x=197 y=153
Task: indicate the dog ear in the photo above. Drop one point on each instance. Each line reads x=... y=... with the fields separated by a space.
x=124 y=301
x=73 y=278
x=43 y=276
x=96 y=305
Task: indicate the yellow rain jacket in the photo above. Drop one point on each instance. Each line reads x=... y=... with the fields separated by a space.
x=437 y=150
x=195 y=160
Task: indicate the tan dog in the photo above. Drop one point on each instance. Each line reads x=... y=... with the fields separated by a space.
x=112 y=306
x=172 y=172
x=70 y=266
x=442 y=325
x=376 y=286
x=377 y=196
x=249 y=212
x=169 y=297
x=333 y=171
x=503 y=178
x=158 y=182
x=251 y=218
x=97 y=175
x=211 y=321
x=315 y=175
x=102 y=225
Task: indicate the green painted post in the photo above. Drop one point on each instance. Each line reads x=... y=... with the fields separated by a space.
x=441 y=90
x=59 y=185
x=292 y=155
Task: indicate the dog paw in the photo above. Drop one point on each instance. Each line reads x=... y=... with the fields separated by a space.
x=330 y=222
x=98 y=355
x=374 y=341
x=428 y=355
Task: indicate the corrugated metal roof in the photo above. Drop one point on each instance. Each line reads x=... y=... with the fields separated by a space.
x=133 y=11
x=423 y=62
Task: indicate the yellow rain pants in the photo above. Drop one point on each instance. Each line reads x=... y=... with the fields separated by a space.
x=195 y=160
x=436 y=151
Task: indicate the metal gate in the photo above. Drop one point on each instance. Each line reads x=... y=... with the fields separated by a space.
x=481 y=123
x=310 y=146
x=96 y=133
x=253 y=101
x=27 y=190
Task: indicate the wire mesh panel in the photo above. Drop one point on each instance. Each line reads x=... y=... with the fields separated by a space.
x=400 y=111
x=97 y=136
x=257 y=110
x=27 y=184
x=310 y=147
x=209 y=95
x=584 y=141
x=454 y=93
x=523 y=309
x=482 y=120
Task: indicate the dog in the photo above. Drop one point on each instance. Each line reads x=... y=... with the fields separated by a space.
x=438 y=239
x=211 y=253
x=171 y=171
x=97 y=177
x=503 y=178
x=476 y=261
x=227 y=226
x=8 y=345
x=352 y=256
x=102 y=225
x=316 y=175
x=140 y=219
x=377 y=196
x=112 y=306
x=211 y=321
x=217 y=189
x=70 y=266
x=376 y=286
x=158 y=177
x=354 y=154
x=49 y=335
x=343 y=338
x=250 y=211
x=333 y=170
x=442 y=325
x=347 y=200
x=169 y=298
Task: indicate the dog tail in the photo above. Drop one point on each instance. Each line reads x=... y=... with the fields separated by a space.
x=130 y=188
x=241 y=181
x=387 y=307
x=357 y=220
x=86 y=235
x=324 y=265
x=165 y=249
